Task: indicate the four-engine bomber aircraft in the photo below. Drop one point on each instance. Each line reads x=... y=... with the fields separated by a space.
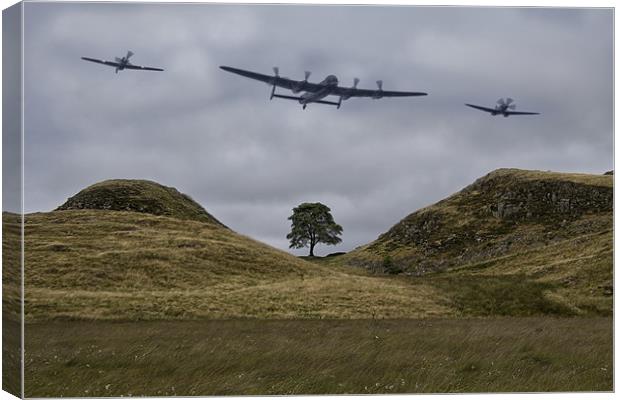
x=315 y=92
x=502 y=108
x=121 y=63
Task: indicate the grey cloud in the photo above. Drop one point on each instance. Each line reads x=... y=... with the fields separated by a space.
x=249 y=160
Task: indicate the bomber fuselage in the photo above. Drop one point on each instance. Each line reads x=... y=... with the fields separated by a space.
x=328 y=85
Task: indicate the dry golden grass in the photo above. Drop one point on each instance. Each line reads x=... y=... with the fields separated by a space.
x=334 y=297
x=130 y=266
x=587 y=179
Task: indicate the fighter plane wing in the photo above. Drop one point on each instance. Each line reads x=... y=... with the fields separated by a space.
x=275 y=80
x=132 y=66
x=354 y=92
x=487 y=109
x=95 y=60
x=521 y=113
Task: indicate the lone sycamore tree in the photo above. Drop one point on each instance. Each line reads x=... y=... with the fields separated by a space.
x=312 y=223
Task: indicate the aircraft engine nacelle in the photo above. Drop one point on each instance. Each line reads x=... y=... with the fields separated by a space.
x=347 y=96
x=298 y=88
x=379 y=93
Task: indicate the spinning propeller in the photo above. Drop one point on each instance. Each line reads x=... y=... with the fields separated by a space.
x=508 y=103
x=126 y=58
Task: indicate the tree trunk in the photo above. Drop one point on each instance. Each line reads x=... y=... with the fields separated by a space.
x=312 y=249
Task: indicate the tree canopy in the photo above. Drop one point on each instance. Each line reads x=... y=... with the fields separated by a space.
x=312 y=223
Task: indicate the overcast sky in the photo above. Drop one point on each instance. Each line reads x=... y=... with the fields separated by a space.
x=249 y=161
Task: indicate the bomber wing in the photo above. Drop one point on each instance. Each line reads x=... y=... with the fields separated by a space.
x=279 y=81
x=354 y=92
x=487 y=109
x=96 y=60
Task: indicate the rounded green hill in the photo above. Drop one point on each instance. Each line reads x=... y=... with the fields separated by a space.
x=504 y=212
x=138 y=196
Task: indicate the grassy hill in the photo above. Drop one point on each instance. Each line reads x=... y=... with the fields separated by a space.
x=98 y=264
x=513 y=243
x=129 y=250
x=165 y=300
x=511 y=235
x=139 y=196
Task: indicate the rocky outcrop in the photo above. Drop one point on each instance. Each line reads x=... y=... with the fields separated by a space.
x=542 y=200
x=500 y=212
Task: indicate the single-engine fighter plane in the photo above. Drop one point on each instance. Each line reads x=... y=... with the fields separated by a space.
x=315 y=92
x=121 y=63
x=503 y=107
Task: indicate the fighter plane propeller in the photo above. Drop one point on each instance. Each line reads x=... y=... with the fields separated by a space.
x=503 y=107
x=315 y=92
x=122 y=63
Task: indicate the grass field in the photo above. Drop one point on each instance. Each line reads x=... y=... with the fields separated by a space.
x=212 y=357
x=11 y=356
x=120 y=301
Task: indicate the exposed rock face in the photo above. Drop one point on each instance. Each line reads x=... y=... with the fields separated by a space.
x=541 y=200
x=502 y=211
x=138 y=196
